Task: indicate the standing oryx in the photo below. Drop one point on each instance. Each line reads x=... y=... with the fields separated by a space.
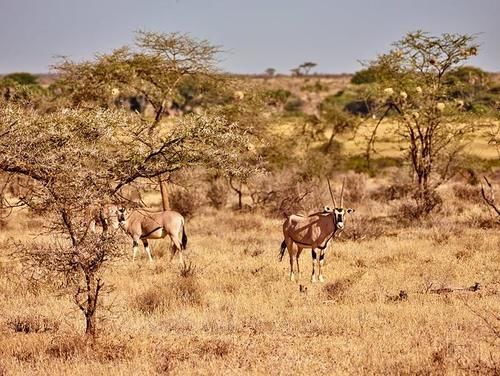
x=143 y=225
x=315 y=232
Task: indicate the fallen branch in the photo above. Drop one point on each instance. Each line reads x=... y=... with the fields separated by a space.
x=447 y=290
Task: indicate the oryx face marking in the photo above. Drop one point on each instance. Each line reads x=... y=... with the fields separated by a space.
x=339 y=214
x=339 y=217
x=121 y=216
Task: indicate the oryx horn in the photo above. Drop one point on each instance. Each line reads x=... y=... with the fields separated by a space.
x=342 y=194
x=331 y=193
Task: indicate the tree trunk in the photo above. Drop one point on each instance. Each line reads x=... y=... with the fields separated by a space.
x=89 y=309
x=90 y=325
x=165 y=202
x=238 y=191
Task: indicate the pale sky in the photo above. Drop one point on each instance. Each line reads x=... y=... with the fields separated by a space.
x=257 y=34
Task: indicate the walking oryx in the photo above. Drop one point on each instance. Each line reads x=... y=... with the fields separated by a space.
x=143 y=225
x=315 y=232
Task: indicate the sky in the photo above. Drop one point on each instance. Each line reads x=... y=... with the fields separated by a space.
x=255 y=34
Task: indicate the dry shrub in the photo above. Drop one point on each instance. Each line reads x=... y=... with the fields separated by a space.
x=153 y=299
x=26 y=354
x=103 y=348
x=184 y=290
x=218 y=193
x=245 y=223
x=188 y=270
x=195 y=348
x=440 y=236
x=360 y=263
x=355 y=188
x=187 y=291
x=66 y=347
x=362 y=228
x=278 y=194
x=464 y=254
x=338 y=290
x=391 y=192
x=110 y=348
x=481 y=219
x=409 y=210
x=214 y=348
x=253 y=252
x=169 y=357
x=185 y=202
x=166 y=363
x=32 y=324
x=477 y=365
x=466 y=192
x=441 y=356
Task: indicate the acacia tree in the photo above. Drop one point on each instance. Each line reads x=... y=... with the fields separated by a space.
x=159 y=67
x=412 y=79
x=81 y=158
x=333 y=116
x=154 y=67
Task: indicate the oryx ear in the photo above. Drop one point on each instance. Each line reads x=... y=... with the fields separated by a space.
x=351 y=210
x=327 y=209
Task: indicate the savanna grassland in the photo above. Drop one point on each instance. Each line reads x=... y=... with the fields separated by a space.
x=412 y=282
x=234 y=311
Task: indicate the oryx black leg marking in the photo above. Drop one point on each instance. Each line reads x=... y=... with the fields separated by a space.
x=320 y=266
x=314 y=256
x=146 y=248
x=135 y=245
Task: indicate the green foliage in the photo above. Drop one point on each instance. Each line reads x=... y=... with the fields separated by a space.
x=157 y=66
x=471 y=86
x=356 y=100
x=278 y=96
x=270 y=72
x=335 y=118
x=283 y=100
x=294 y=105
x=358 y=163
x=364 y=76
x=21 y=78
x=316 y=87
x=469 y=75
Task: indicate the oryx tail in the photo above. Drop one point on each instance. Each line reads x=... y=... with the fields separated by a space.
x=184 y=237
x=282 y=250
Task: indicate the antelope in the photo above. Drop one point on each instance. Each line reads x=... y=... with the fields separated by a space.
x=142 y=225
x=315 y=232
x=101 y=216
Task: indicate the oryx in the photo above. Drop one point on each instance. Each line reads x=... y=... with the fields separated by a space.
x=102 y=216
x=142 y=225
x=314 y=231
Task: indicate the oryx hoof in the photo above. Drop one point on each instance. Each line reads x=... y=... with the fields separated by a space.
x=321 y=279
x=313 y=279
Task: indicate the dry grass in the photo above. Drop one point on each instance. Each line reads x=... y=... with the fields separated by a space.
x=235 y=312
